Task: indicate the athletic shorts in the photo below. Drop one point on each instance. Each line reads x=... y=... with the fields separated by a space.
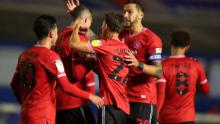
x=111 y=115
x=80 y=115
x=142 y=113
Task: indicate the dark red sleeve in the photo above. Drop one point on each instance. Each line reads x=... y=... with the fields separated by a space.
x=72 y=89
x=90 y=82
x=202 y=80
x=205 y=88
x=15 y=82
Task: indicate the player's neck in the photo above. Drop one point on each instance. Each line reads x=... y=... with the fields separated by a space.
x=178 y=52
x=112 y=35
x=137 y=27
x=45 y=43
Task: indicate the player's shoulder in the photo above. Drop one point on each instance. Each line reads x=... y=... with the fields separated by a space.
x=152 y=38
x=192 y=59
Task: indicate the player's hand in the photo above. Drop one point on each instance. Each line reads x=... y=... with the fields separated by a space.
x=77 y=25
x=98 y=101
x=71 y=5
x=131 y=59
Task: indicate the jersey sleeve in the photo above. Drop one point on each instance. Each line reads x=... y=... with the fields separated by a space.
x=17 y=86
x=15 y=82
x=202 y=80
x=90 y=82
x=99 y=46
x=161 y=89
x=56 y=68
x=201 y=74
x=154 y=49
x=54 y=65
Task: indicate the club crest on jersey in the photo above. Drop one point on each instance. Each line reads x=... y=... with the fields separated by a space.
x=96 y=43
x=158 y=50
x=59 y=65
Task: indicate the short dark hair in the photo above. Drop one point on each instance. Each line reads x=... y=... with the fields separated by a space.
x=78 y=11
x=137 y=3
x=180 y=39
x=43 y=25
x=114 y=21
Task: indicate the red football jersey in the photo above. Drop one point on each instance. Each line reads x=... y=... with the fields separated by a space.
x=147 y=48
x=181 y=75
x=112 y=71
x=34 y=85
x=76 y=70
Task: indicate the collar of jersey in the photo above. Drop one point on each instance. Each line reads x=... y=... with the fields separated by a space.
x=178 y=56
x=135 y=34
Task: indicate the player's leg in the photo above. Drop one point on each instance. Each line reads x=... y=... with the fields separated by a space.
x=112 y=115
x=70 y=116
x=142 y=113
x=89 y=115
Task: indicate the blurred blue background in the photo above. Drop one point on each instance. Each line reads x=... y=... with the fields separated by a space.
x=201 y=18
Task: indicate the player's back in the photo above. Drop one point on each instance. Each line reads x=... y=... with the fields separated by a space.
x=182 y=75
x=38 y=97
x=112 y=72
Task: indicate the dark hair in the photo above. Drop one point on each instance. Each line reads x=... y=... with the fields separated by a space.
x=78 y=11
x=43 y=25
x=114 y=22
x=137 y=3
x=180 y=39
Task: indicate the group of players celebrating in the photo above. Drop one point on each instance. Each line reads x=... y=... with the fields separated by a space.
x=55 y=78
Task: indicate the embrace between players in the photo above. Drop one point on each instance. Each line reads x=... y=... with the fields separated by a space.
x=53 y=86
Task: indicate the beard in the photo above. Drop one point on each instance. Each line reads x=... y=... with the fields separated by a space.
x=127 y=24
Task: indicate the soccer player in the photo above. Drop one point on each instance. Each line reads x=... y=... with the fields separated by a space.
x=36 y=74
x=177 y=88
x=145 y=62
x=73 y=109
x=111 y=68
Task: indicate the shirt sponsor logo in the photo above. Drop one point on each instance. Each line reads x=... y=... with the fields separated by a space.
x=96 y=43
x=158 y=50
x=59 y=66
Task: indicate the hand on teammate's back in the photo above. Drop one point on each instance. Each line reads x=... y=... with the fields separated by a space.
x=96 y=100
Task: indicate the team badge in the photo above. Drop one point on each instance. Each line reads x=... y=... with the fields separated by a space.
x=96 y=43
x=158 y=50
x=59 y=66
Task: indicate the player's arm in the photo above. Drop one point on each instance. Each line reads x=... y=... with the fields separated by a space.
x=90 y=82
x=154 y=70
x=14 y=85
x=202 y=80
x=161 y=89
x=75 y=42
x=73 y=90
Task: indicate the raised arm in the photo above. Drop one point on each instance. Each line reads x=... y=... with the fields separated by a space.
x=75 y=41
x=71 y=5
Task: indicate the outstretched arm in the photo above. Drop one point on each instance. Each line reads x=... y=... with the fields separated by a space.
x=71 y=89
